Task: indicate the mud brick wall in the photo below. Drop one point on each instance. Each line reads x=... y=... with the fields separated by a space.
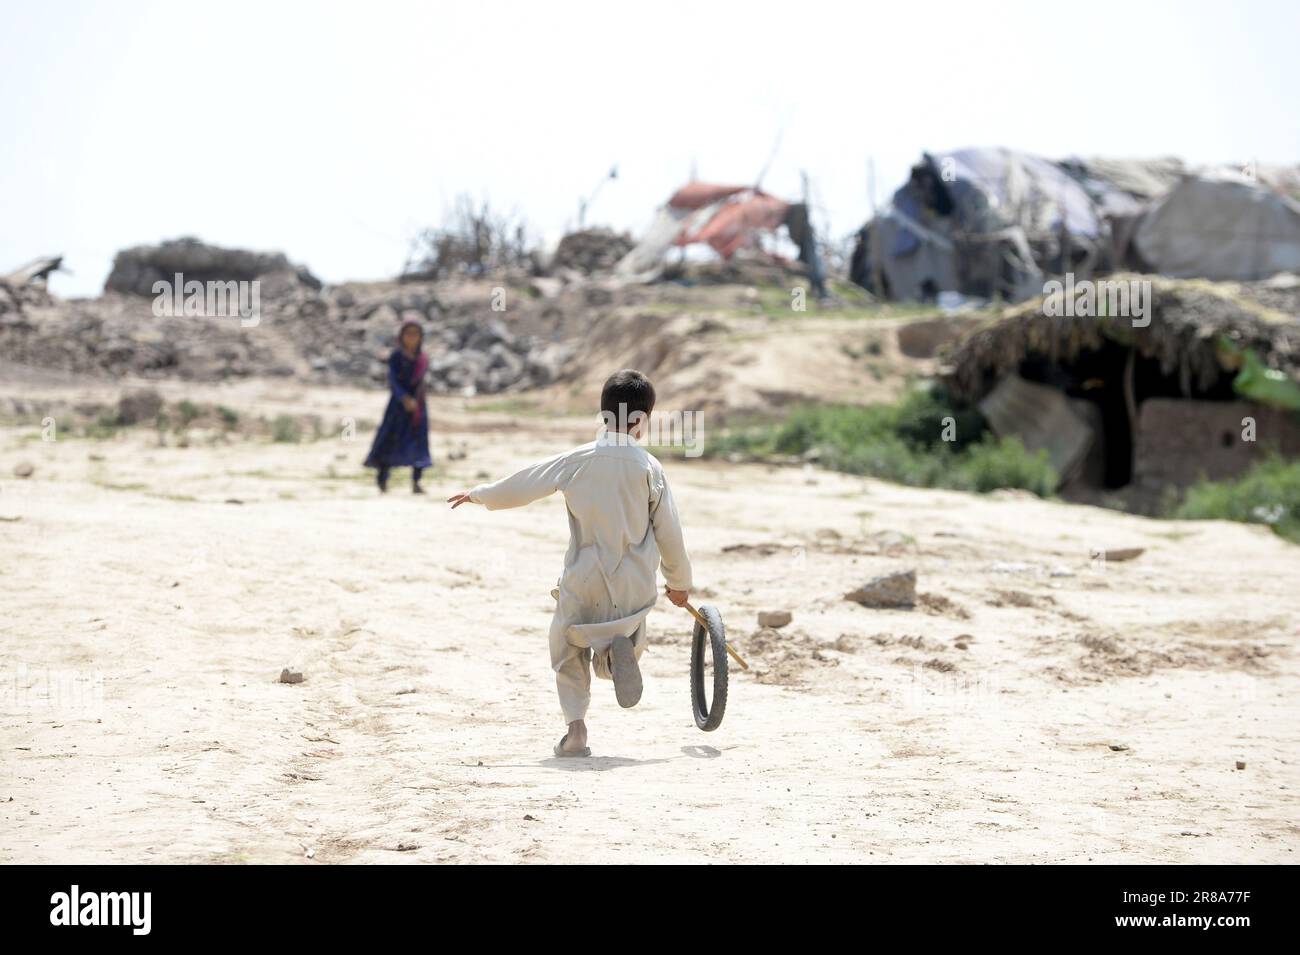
x=1180 y=441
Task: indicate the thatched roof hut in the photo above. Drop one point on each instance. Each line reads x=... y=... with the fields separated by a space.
x=1153 y=401
x=1188 y=317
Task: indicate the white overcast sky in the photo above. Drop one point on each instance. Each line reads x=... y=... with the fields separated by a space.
x=333 y=131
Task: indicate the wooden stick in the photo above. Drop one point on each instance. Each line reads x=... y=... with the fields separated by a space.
x=726 y=643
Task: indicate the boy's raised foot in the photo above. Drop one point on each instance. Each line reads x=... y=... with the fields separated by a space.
x=627 y=675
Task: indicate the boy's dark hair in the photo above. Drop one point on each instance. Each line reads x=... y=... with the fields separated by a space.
x=631 y=390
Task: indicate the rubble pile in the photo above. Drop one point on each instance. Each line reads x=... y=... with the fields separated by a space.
x=136 y=270
x=591 y=250
x=486 y=358
x=336 y=335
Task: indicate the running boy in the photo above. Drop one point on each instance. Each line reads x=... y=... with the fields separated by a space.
x=622 y=525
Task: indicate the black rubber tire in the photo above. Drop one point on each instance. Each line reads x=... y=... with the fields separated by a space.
x=709 y=713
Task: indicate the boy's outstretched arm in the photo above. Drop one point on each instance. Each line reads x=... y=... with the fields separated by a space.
x=674 y=560
x=523 y=487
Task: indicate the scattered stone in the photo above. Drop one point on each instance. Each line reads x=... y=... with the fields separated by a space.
x=591 y=250
x=24 y=469
x=1240 y=764
x=890 y=590
x=774 y=618
x=942 y=606
x=290 y=676
x=547 y=287
x=1118 y=747
x=1122 y=554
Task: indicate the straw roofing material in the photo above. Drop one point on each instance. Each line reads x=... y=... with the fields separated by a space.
x=1187 y=317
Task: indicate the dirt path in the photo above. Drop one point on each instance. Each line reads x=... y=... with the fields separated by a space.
x=1040 y=706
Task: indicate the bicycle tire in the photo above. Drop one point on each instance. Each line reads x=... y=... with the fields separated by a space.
x=709 y=712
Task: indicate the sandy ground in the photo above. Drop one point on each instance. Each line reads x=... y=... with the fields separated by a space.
x=1039 y=706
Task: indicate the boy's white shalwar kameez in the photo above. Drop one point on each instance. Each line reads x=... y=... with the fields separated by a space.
x=622 y=525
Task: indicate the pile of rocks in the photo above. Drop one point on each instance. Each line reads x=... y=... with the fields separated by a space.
x=485 y=357
x=337 y=335
x=591 y=250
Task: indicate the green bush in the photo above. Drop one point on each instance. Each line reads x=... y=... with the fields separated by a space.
x=1269 y=493
x=903 y=442
x=285 y=430
x=992 y=464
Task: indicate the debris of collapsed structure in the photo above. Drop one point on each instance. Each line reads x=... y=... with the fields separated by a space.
x=330 y=336
x=589 y=251
x=728 y=219
x=136 y=270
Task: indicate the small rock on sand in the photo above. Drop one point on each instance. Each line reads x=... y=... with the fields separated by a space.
x=891 y=590
x=24 y=469
x=1121 y=554
x=774 y=618
x=288 y=675
x=1240 y=764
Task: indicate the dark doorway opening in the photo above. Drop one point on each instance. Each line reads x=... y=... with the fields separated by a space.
x=1117 y=380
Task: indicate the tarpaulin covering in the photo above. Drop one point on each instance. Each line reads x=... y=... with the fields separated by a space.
x=981 y=222
x=727 y=219
x=1221 y=228
x=734 y=225
x=697 y=195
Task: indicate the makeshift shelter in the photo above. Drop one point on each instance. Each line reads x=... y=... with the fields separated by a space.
x=727 y=219
x=1117 y=405
x=994 y=223
x=986 y=223
x=1224 y=226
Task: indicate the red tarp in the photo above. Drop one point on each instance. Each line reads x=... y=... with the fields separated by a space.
x=733 y=226
x=697 y=195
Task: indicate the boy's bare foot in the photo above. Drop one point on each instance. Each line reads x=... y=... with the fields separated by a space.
x=627 y=675
x=574 y=742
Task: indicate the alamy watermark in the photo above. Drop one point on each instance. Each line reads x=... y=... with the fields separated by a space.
x=25 y=689
x=662 y=429
x=1086 y=298
x=214 y=299
x=128 y=909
